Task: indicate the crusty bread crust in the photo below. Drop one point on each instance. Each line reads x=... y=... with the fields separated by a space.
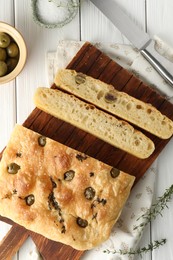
x=59 y=192
x=118 y=103
x=90 y=119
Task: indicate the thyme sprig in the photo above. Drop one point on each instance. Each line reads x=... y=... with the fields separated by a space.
x=140 y=250
x=156 y=209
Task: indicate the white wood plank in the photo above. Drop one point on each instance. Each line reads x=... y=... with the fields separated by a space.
x=7 y=12
x=162 y=225
x=160 y=19
x=7 y=98
x=159 y=22
x=39 y=41
x=7 y=91
x=97 y=28
x=7 y=112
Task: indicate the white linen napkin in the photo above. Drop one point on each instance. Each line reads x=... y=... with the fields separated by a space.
x=123 y=235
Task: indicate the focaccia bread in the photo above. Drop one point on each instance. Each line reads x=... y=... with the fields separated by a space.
x=94 y=121
x=116 y=102
x=59 y=192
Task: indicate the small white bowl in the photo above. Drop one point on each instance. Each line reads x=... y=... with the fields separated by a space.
x=17 y=37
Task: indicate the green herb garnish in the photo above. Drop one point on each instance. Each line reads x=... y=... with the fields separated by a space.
x=156 y=209
x=140 y=250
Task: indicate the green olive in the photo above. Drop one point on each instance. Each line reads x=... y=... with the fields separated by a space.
x=30 y=199
x=4 y=40
x=12 y=50
x=11 y=64
x=3 y=68
x=82 y=222
x=69 y=175
x=114 y=172
x=13 y=168
x=89 y=193
x=42 y=141
x=80 y=78
x=3 y=54
x=110 y=97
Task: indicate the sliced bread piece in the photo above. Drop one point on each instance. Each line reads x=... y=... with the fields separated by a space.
x=94 y=121
x=118 y=103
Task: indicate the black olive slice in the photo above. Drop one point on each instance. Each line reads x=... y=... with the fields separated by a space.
x=82 y=222
x=13 y=168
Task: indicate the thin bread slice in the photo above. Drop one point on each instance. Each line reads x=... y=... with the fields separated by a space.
x=94 y=121
x=118 y=103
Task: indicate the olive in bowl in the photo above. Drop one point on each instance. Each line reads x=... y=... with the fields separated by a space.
x=12 y=53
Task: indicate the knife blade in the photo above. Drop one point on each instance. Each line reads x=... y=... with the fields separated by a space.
x=140 y=39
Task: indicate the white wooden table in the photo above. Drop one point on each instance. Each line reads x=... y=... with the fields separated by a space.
x=153 y=16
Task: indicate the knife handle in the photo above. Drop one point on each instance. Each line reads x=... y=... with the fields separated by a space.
x=163 y=66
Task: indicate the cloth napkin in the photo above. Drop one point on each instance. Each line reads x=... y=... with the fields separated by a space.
x=123 y=235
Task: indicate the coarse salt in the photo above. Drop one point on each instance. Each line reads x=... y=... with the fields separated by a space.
x=50 y=11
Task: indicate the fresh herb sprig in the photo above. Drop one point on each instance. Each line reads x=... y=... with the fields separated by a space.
x=140 y=250
x=156 y=208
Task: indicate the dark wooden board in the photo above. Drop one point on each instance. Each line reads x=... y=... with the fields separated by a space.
x=93 y=62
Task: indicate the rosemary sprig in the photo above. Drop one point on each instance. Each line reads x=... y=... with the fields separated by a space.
x=156 y=209
x=140 y=250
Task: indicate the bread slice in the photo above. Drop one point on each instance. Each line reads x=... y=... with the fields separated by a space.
x=94 y=121
x=59 y=192
x=118 y=103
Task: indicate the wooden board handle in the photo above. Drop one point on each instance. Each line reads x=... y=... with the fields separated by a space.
x=12 y=242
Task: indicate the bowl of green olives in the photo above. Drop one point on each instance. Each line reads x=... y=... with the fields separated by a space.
x=13 y=52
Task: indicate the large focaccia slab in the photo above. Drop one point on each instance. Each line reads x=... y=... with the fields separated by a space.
x=59 y=192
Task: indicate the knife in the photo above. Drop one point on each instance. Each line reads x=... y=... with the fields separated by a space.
x=140 y=39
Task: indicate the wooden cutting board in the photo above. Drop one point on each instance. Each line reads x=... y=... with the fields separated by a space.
x=93 y=62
